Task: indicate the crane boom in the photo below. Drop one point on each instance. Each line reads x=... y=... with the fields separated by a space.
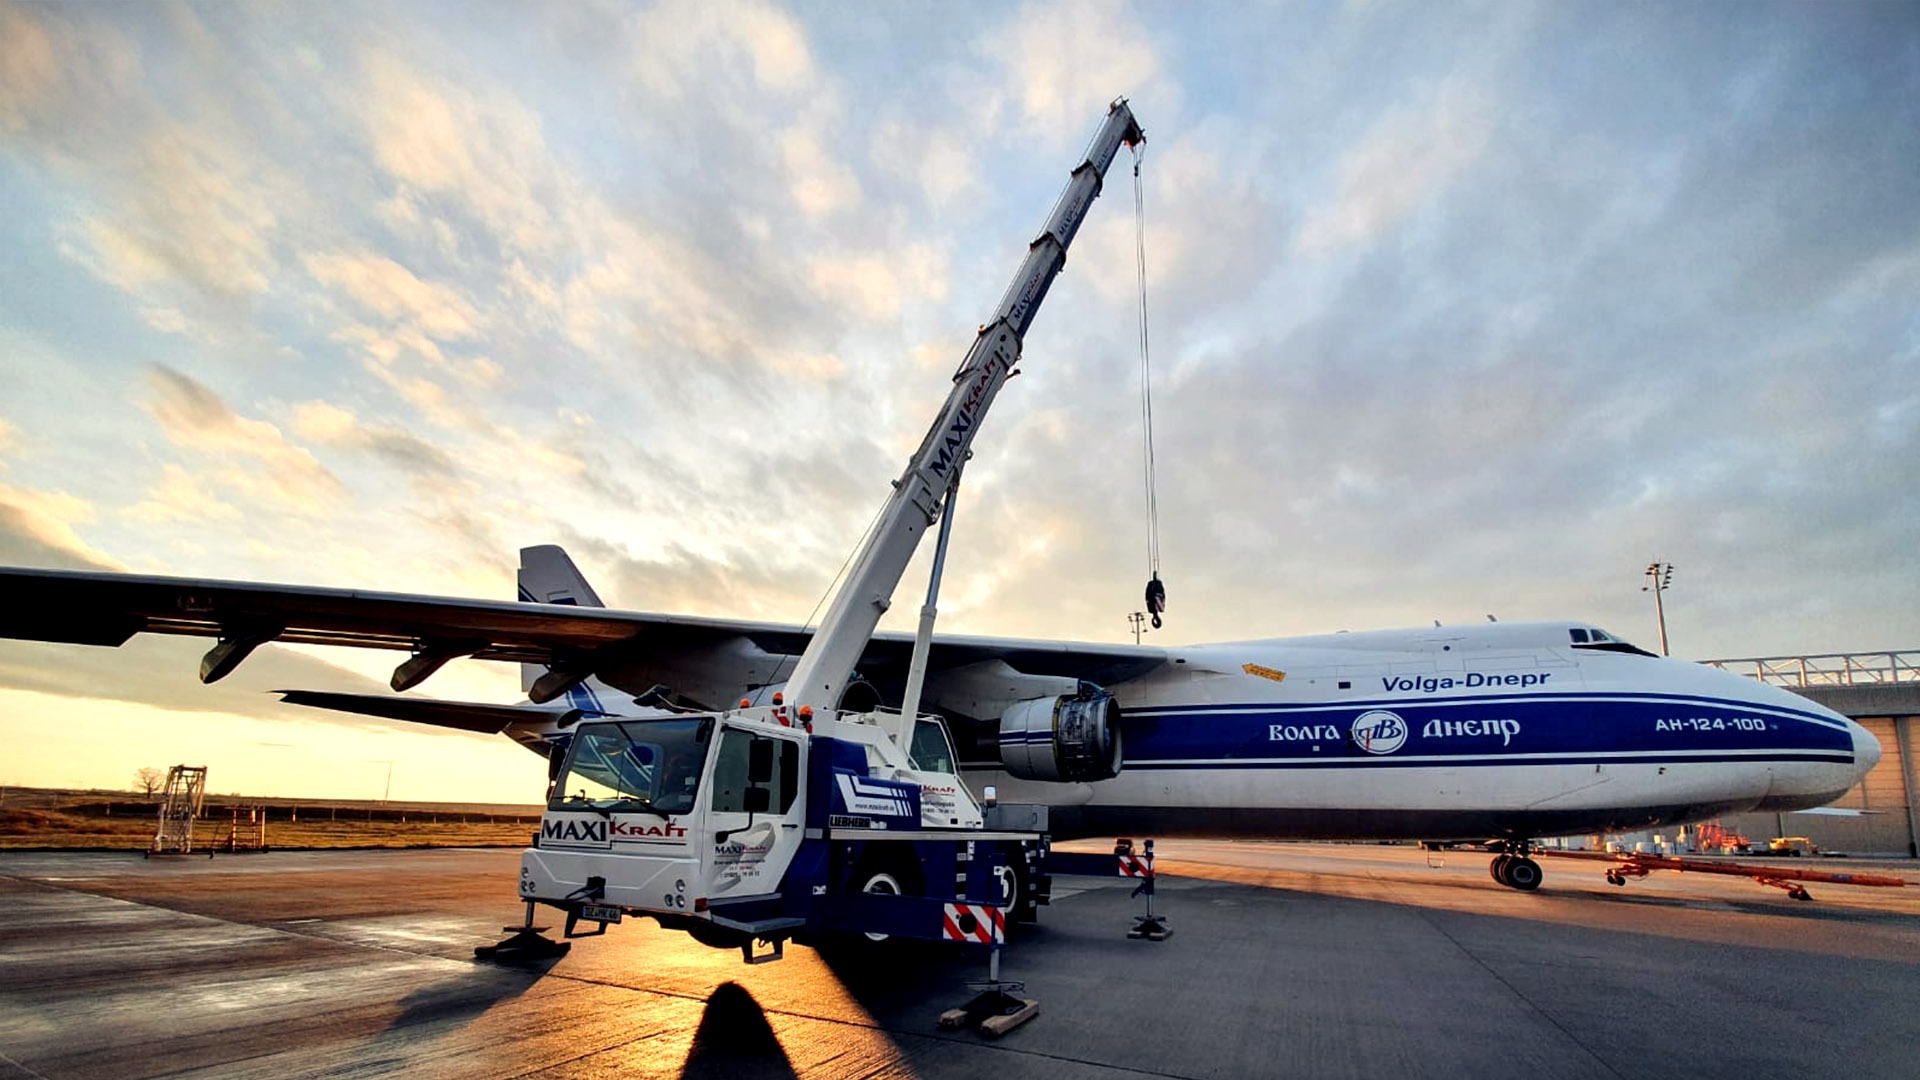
x=919 y=495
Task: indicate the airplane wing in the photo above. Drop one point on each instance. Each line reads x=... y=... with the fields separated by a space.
x=485 y=718
x=91 y=608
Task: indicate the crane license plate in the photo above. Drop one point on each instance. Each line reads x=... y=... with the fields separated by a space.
x=605 y=913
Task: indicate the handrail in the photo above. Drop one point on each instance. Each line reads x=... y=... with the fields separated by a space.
x=1829 y=669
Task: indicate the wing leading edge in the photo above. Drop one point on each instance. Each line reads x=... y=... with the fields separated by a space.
x=572 y=642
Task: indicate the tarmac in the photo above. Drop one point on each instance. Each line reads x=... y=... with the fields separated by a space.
x=1287 y=960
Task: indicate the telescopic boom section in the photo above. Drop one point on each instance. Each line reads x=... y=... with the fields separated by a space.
x=920 y=494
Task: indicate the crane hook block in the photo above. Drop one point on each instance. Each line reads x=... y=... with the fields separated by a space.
x=1156 y=599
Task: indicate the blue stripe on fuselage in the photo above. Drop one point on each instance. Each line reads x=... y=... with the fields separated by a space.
x=1508 y=760
x=1485 y=699
x=1541 y=729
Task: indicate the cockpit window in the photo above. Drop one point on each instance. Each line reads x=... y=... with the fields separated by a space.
x=1596 y=639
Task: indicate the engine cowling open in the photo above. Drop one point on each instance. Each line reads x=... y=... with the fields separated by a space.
x=1072 y=739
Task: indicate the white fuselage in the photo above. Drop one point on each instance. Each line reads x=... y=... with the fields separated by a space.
x=1506 y=729
x=1448 y=734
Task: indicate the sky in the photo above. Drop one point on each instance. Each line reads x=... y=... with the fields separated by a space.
x=1455 y=310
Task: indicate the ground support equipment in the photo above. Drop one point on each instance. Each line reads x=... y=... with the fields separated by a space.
x=1633 y=864
x=186 y=787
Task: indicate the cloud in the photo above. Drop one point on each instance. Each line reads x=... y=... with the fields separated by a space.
x=199 y=219
x=321 y=422
x=482 y=149
x=162 y=671
x=388 y=289
x=1410 y=154
x=820 y=184
x=688 y=45
x=935 y=159
x=37 y=529
x=57 y=68
x=1045 y=54
x=29 y=67
x=180 y=497
x=877 y=283
x=248 y=456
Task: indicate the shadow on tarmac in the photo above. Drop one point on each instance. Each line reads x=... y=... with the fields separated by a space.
x=734 y=1041
x=464 y=998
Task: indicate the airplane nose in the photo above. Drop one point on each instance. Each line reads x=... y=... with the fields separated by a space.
x=1866 y=748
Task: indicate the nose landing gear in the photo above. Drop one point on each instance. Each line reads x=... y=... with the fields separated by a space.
x=1514 y=867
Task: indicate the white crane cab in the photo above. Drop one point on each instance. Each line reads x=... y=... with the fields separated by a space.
x=760 y=823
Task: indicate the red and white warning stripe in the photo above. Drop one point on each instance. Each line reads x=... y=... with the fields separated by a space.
x=981 y=923
x=1135 y=866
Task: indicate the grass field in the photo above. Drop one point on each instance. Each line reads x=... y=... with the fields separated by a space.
x=40 y=818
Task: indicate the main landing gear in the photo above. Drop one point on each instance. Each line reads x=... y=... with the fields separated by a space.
x=1514 y=866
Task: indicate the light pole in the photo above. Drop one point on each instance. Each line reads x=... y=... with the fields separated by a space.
x=1658 y=579
x=389 y=788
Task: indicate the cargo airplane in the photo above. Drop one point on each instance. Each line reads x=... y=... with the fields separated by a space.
x=1502 y=732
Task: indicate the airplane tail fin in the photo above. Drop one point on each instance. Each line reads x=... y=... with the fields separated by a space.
x=548 y=576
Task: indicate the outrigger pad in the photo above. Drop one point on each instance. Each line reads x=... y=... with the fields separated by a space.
x=1150 y=928
x=992 y=1013
x=525 y=944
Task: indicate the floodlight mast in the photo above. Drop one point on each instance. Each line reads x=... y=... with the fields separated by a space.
x=919 y=495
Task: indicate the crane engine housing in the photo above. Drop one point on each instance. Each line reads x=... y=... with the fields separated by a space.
x=1071 y=739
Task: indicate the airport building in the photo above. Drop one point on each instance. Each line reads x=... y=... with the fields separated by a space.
x=1881 y=692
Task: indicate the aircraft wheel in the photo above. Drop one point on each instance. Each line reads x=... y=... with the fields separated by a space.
x=1497 y=869
x=1522 y=873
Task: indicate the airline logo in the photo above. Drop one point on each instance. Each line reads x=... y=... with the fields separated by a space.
x=1470 y=729
x=1472 y=680
x=1303 y=733
x=1379 y=731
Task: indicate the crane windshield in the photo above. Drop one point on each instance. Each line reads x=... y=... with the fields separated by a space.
x=650 y=765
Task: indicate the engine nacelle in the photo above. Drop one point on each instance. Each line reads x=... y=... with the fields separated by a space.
x=857 y=696
x=1069 y=739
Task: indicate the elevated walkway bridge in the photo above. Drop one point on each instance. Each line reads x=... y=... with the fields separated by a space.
x=1880 y=691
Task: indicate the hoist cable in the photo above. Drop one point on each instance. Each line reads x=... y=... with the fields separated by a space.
x=1156 y=595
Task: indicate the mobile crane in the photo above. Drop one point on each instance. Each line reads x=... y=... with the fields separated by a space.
x=794 y=820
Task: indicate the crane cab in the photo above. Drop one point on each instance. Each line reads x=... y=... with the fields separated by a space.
x=734 y=826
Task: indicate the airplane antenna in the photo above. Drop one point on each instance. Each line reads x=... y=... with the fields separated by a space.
x=1156 y=595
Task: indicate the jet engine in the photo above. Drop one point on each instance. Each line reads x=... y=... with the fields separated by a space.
x=1069 y=738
